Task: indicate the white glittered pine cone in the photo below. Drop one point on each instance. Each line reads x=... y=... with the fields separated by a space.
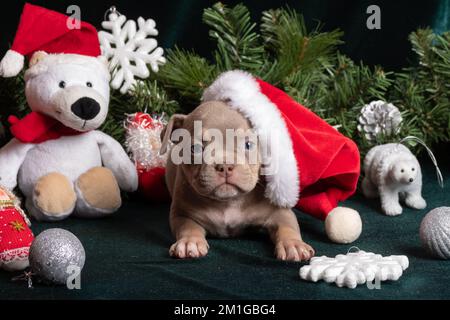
x=379 y=118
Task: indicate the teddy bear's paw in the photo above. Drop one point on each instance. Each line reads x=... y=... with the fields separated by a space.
x=394 y=209
x=189 y=247
x=53 y=197
x=416 y=202
x=98 y=193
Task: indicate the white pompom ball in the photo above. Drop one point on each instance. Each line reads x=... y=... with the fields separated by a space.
x=435 y=232
x=343 y=225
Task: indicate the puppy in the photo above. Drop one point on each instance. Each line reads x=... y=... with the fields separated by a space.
x=220 y=197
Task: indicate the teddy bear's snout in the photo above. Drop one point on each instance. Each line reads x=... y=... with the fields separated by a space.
x=86 y=108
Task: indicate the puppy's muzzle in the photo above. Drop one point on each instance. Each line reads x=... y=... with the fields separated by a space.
x=224 y=170
x=85 y=108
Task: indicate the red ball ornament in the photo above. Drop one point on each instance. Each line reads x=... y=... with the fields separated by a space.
x=152 y=185
x=145 y=121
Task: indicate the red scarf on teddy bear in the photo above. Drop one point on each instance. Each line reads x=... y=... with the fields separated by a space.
x=36 y=127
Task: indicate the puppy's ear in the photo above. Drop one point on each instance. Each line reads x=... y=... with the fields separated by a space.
x=36 y=57
x=175 y=122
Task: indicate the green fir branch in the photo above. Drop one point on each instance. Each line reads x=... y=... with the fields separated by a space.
x=238 y=44
x=186 y=75
x=293 y=47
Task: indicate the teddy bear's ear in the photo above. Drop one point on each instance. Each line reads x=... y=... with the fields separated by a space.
x=36 y=57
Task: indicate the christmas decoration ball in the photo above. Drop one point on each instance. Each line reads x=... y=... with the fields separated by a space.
x=53 y=255
x=435 y=232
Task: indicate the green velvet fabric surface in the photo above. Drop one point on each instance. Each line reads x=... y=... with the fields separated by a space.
x=127 y=258
x=179 y=22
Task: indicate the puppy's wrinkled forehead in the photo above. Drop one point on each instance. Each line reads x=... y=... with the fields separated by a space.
x=216 y=115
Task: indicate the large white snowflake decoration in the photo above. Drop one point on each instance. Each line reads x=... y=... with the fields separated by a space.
x=354 y=268
x=129 y=49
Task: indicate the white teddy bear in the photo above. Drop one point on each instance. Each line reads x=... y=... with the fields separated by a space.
x=393 y=173
x=57 y=158
x=63 y=175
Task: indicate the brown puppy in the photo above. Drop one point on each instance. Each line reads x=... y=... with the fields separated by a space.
x=223 y=197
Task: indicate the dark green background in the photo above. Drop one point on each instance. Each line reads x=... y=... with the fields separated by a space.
x=179 y=22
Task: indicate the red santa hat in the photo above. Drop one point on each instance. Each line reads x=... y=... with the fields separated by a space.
x=41 y=29
x=317 y=167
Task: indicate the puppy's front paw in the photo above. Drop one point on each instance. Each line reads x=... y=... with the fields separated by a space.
x=189 y=247
x=293 y=250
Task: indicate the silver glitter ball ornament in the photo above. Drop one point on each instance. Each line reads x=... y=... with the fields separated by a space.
x=54 y=254
x=435 y=232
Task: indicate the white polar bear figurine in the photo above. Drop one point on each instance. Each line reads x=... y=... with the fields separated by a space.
x=78 y=173
x=393 y=173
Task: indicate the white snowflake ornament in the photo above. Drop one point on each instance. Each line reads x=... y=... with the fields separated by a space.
x=354 y=268
x=129 y=49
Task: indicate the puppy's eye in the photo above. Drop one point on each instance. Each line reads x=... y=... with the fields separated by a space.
x=62 y=84
x=89 y=84
x=249 y=145
x=196 y=148
x=402 y=171
x=413 y=169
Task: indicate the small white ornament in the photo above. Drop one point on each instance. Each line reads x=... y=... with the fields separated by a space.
x=129 y=49
x=354 y=268
x=393 y=173
x=379 y=118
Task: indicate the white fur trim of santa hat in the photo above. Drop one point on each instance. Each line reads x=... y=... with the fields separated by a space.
x=241 y=91
x=11 y=64
x=99 y=65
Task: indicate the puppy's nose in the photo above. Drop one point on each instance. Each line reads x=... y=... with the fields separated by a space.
x=226 y=169
x=86 y=108
x=411 y=180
